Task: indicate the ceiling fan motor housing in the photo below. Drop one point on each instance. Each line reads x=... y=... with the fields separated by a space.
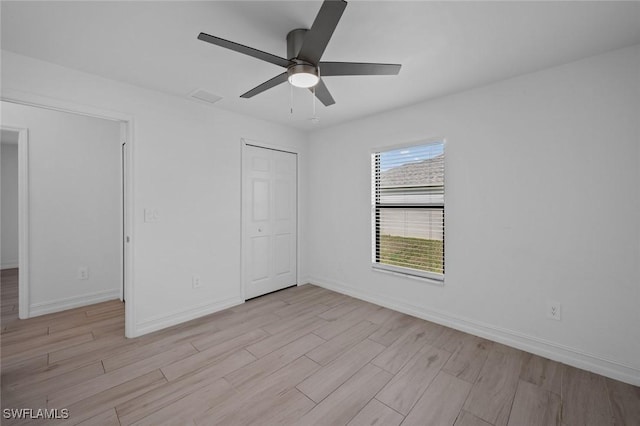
x=294 y=42
x=301 y=74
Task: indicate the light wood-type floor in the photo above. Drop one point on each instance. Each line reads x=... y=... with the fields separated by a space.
x=301 y=356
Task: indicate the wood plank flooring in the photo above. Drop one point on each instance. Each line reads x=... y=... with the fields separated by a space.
x=301 y=356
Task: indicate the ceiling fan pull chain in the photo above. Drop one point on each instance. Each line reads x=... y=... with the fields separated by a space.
x=291 y=99
x=314 y=94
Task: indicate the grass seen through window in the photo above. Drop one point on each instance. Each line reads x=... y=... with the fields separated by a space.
x=416 y=253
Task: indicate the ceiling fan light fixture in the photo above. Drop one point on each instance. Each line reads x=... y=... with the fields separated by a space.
x=303 y=75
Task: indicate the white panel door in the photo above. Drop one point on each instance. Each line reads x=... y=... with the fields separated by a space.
x=269 y=210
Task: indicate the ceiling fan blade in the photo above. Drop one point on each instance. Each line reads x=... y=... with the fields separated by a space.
x=356 y=68
x=322 y=93
x=259 y=54
x=317 y=38
x=279 y=79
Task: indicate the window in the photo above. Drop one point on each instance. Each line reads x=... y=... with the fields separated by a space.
x=408 y=210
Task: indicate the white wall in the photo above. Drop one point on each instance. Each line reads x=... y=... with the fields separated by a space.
x=542 y=203
x=75 y=207
x=9 y=214
x=186 y=165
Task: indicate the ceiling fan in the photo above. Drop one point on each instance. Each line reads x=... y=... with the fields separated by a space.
x=304 y=49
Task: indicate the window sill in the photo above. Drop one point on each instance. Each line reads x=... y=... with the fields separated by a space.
x=384 y=270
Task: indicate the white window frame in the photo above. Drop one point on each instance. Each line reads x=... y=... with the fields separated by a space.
x=421 y=275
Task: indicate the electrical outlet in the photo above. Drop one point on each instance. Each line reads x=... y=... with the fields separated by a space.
x=151 y=215
x=554 y=310
x=83 y=273
x=195 y=281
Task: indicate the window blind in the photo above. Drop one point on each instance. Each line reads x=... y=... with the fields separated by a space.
x=408 y=210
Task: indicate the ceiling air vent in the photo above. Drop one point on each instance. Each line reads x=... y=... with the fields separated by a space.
x=202 y=95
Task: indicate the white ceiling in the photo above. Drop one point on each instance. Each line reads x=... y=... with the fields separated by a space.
x=444 y=47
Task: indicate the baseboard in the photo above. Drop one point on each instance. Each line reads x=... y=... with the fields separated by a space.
x=42 y=308
x=163 y=321
x=10 y=265
x=304 y=281
x=551 y=350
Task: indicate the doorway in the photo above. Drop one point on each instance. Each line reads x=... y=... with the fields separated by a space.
x=10 y=254
x=92 y=148
x=15 y=226
x=269 y=219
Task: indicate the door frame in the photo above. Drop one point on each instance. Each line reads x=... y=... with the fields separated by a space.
x=23 y=219
x=29 y=99
x=291 y=150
